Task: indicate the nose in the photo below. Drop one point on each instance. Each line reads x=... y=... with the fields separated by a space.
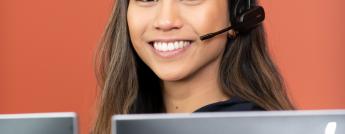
x=168 y=17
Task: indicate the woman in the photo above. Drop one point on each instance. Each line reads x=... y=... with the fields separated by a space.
x=152 y=61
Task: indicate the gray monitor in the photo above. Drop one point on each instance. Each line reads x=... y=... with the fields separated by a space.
x=39 y=123
x=272 y=122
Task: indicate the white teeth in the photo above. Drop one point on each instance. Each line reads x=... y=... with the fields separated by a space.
x=170 y=46
x=164 y=46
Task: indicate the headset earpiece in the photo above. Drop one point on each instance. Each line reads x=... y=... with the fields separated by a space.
x=245 y=16
x=250 y=19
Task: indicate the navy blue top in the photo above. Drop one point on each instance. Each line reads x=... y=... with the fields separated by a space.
x=233 y=104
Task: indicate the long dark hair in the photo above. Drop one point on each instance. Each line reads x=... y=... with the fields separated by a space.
x=129 y=86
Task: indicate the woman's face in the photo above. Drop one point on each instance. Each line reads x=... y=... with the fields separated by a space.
x=165 y=34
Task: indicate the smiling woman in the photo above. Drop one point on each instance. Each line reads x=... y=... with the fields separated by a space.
x=153 y=61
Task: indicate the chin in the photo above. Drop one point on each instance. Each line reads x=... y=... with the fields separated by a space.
x=170 y=76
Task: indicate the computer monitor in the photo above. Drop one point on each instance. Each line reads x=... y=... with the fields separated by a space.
x=39 y=123
x=268 y=122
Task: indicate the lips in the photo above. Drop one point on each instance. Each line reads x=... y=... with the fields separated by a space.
x=170 y=48
x=164 y=46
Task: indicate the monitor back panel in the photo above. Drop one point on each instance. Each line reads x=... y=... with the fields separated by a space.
x=47 y=123
x=233 y=123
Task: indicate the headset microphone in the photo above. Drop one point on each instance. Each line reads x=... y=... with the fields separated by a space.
x=210 y=35
x=245 y=22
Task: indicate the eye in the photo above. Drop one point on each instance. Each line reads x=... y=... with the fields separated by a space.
x=146 y=2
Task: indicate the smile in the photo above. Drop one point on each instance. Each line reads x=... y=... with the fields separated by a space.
x=170 y=46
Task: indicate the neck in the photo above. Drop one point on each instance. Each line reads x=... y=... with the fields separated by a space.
x=190 y=94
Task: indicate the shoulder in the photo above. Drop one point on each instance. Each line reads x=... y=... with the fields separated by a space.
x=233 y=104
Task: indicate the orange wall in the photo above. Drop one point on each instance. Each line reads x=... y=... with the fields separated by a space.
x=47 y=50
x=307 y=41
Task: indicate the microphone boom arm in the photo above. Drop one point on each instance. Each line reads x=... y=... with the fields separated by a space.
x=210 y=35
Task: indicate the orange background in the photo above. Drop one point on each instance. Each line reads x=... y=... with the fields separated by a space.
x=47 y=50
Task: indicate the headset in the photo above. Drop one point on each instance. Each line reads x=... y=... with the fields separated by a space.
x=244 y=16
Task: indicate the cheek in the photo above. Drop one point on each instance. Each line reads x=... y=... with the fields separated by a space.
x=134 y=27
x=213 y=17
x=211 y=51
x=138 y=21
x=208 y=18
x=204 y=57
